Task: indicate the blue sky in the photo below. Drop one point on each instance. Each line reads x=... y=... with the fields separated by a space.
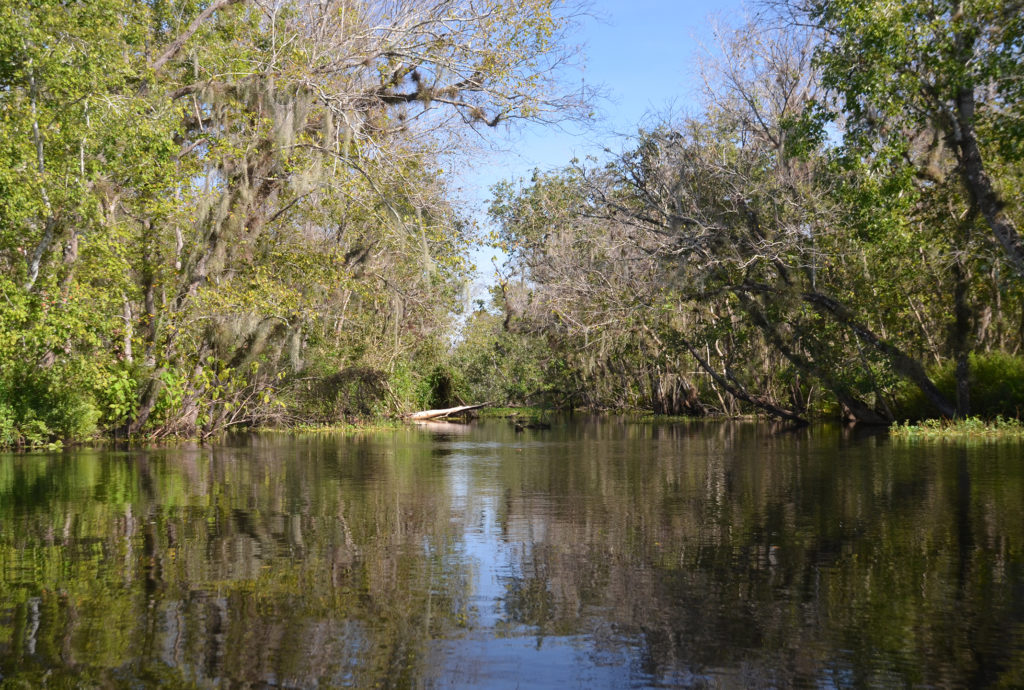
x=642 y=54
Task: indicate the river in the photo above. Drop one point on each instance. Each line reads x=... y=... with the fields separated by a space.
x=598 y=553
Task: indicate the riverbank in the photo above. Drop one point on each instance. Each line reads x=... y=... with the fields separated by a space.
x=969 y=428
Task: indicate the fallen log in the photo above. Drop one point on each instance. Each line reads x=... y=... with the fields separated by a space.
x=438 y=414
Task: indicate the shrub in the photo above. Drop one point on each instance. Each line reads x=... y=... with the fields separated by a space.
x=439 y=388
x=8 y=426
x=968 y=428
x=44 y=406
x=352 y=394
x=996 y=388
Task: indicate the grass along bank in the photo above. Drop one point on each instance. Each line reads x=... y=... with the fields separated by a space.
x=967 y=428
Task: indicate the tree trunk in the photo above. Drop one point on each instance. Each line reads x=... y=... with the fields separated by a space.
x=858 y=409
x=903 y=364
x=438 y=414
x=979 y=185
x=961 y=329
x=147 y=402
x=740 y=392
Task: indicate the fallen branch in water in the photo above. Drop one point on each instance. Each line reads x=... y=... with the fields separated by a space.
x=438 y=414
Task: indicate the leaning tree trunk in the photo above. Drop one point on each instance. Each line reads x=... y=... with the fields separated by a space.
x=979 y=185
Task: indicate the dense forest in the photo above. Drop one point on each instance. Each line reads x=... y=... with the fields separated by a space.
x=238 y=212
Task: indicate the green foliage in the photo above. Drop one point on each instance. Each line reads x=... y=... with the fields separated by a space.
x=9 y=435
x=900 y=62
x=505 y=368
x=438 y=388
x=198 y=235
x=351 y=395
x=407 y=386
x=118 y=397
x=200 y=213
x=968 y=428
x=811 y=240
x=45 y=407
x=996 y=388
x=806 y=132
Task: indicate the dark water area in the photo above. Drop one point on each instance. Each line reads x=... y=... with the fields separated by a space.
x=599 y=553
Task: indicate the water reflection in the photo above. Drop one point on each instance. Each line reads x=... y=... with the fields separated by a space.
x=598 y=553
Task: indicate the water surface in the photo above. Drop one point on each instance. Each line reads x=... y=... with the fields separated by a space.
x=599 y=553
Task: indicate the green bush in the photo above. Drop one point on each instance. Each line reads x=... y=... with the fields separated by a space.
x=118 y=397
x=406 y=386
x=73 y=415
x=350 y=395
x=968 y=428
x=996 y=388
x=440 y=388
x=498 y=366
x=45 y=406
x=8 y=426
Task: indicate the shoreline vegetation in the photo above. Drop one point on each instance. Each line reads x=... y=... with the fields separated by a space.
x=968 y=429
x=971 y=428
x=949 y=429
x=229 y=214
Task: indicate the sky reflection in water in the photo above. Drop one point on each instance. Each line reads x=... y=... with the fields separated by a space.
x=599 y=553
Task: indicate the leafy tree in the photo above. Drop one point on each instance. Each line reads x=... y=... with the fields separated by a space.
x=205 y=204
x=938 y=85
x=930 y=98
x=750 y=243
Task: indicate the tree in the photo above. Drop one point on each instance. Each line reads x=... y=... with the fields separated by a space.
x=253 y=179
x=930 y=93
x=353 y=100
x=748 y=222
x=579 y=281
x=939 y=83
x=74 y=134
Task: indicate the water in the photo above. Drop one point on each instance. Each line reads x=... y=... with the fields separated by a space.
x=596 y=554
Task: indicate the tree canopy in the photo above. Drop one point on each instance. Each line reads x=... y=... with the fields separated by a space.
x=835 y=231
x=209 y=206
x=237 y=212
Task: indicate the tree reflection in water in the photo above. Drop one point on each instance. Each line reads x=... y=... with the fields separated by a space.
x=599 y=552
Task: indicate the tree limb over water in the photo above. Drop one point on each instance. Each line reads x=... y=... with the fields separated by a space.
x=440 y=414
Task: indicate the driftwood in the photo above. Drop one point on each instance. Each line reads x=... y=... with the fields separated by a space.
x=438 y=414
